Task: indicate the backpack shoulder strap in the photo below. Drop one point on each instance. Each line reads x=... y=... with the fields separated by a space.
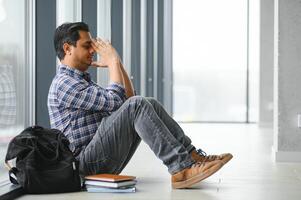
x=12 y=175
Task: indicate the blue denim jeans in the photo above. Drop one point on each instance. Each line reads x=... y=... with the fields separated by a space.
x=119 y=135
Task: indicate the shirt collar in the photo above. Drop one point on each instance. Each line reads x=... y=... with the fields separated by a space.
x=74 y=72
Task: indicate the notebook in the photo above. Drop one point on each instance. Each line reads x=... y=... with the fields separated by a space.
x=110 y=177
x=110 y=184
x=112 y=190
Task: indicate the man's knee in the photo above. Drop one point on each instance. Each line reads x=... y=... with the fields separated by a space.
x=153 y=101
x=143 y=100
x=136 y=99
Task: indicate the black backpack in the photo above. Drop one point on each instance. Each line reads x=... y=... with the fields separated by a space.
x=44 y=163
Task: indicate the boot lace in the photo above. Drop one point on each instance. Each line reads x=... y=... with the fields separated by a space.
x=201 y=152
x=207 y=157
x=196 y=164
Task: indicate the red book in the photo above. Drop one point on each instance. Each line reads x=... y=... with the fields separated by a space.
x=110 y=177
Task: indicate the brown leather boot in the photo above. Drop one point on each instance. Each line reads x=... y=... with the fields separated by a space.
x=194 y=174
x=201 y=156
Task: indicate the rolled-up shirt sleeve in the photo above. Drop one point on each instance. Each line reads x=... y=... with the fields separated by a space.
x=91 y=96
x=118 y=88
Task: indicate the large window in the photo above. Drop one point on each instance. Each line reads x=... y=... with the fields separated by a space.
x=68 y=11
x=16 y=70
x=215 y=60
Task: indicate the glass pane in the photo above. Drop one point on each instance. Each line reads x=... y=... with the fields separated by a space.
x=68 y=11
x=209 y=60
x=12 y=71
x=254 y=59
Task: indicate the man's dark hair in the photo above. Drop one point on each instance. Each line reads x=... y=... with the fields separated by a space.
x=67 y=33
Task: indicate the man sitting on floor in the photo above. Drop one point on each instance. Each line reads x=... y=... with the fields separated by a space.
x=105 y=125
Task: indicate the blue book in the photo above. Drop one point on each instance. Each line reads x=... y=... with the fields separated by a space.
x=110 y=184
x=110 y=190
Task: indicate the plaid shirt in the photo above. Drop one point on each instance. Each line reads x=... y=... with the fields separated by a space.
x=77 y=105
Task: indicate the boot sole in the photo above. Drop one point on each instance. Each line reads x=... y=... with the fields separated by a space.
x=195 y=179
x=227 y=159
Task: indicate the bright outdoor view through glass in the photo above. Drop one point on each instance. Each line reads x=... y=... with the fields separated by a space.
x=214 y=43
x=12 y=73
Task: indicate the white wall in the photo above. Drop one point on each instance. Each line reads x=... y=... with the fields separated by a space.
x=287 y=79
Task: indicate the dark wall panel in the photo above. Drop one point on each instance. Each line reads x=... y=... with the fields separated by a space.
x=150 y=49
x=89 y=16
x=45 y=56
x=160 y=51
x=136 y=50
x=116 y=25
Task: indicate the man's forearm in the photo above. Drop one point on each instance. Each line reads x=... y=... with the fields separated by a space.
x=115 y=73
x=129 y=89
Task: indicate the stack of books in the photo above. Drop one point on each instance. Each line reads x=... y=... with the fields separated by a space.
x=110 y=183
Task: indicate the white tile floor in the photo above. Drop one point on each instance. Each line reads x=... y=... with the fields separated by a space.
x=251 y=174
